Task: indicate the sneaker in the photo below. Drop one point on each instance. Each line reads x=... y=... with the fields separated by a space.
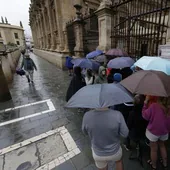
x=128 y=148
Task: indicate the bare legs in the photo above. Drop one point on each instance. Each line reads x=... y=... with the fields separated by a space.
x=154 y=151
x=163 y=152
x=119 y=166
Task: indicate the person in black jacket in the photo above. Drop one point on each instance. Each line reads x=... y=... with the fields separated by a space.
x=135 y=122
x=76 y=83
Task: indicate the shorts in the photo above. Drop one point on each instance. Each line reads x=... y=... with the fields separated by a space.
x=154 y=138
x=102 y=161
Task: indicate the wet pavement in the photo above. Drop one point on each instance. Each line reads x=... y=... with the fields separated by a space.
x=37 y=132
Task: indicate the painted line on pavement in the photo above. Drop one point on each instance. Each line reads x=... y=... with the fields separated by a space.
x=49 y=103
x=22 y=106
x=70 y=144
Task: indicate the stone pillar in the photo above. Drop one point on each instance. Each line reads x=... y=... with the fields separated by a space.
x=78 y=30
x=79 y=48
x=66 y=49
x=45 y=29
x=104 y=14
x=51 y=22
x=59 y=25
x=168 y=30
x=37 y=28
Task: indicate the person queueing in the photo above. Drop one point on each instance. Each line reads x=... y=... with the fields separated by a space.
x=29 y=67
x=101 y=78
x=104 y=128
x=69 y=65
x=89 y=77
x=157 y=130
x=135 y=122
x=76 y=83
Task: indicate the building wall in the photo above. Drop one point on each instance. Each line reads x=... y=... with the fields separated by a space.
x=7 y=32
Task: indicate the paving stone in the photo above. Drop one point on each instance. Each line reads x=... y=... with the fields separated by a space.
x=25 y=156
x=51 y=148
x=65 y=166
x=80 y=161
x=90 y=167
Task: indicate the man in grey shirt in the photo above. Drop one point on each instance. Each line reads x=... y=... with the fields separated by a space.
x=104 y=128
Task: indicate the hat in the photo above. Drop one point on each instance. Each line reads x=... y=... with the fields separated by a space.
x=117 y=77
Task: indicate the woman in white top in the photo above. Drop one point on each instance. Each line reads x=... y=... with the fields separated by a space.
x=89 y=78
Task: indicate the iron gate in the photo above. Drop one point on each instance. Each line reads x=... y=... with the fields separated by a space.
x=139 y=26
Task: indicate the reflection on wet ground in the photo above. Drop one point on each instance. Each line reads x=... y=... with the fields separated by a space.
x=21 y=112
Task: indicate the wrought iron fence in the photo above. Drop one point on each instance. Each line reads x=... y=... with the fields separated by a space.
x=139 y=26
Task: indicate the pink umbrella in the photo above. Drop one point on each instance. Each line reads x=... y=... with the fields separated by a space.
x=117 y=52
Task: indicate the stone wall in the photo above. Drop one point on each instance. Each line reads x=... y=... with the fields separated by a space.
x=57 y=59
x=9 y=64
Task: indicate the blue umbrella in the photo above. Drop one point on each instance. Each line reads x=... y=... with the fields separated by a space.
x=100 y=58
x=86 y=64
x=120 y=62
x=100 y=96
x=93 y=54
x=154 y=63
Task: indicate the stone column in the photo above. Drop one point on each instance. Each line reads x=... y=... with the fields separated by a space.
x=78 y=31
x=66 y=49
x=168 y=30
x=59 y=25
x=79 y=48
x=37 y=28
x=51 y=22
x=45 y=29
x=105 y=23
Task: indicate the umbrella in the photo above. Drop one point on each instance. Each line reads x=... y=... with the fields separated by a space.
x=120 y=62
x=99 y=96
x=85 y=63
x=93 y=54
x=117 y=52
x=154 y=63
x=100 y=58
x=155 y=83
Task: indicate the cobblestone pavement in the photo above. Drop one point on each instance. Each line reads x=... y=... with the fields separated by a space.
x=37 y=132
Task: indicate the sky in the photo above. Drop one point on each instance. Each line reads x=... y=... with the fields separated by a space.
x=16 y=11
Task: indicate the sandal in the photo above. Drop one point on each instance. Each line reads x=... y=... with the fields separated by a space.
x=150 y=164
x=165 y=167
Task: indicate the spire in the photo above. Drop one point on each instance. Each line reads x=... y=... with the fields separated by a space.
x=21 y=24
x=6 y=21
x=2 y=19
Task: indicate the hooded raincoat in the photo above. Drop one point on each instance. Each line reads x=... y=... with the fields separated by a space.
x=101 y=79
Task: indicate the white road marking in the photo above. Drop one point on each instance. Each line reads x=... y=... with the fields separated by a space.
x=49 y=103
x=26 y=105
x=72 y=148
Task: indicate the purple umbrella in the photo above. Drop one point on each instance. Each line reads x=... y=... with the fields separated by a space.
x=117 y=52
x=120 y=62
x=85 y=63
x=93 y=54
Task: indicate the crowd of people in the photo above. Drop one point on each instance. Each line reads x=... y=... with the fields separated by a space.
x=147 y=118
